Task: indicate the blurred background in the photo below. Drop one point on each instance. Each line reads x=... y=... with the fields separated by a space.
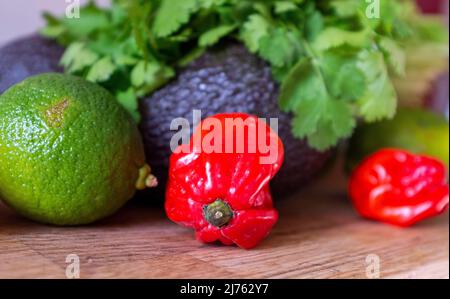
x=21 y=17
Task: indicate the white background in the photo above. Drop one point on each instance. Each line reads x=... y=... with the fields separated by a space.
x=21 y=17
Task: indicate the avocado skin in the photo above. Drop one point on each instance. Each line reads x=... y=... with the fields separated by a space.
x=227 y=78
x=28 y=56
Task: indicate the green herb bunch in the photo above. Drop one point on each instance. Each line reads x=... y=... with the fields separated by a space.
x=335 y=65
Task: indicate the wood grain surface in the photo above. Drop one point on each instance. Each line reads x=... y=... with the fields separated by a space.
x=318 y=236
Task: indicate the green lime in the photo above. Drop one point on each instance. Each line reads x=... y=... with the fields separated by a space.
x=69 y=153
x=416 y=130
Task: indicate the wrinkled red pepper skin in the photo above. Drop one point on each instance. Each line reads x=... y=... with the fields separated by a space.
x=399 y=188
x=198 y=179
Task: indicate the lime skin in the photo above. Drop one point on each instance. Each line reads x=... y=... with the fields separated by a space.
x=69 y=153
x=414 y=129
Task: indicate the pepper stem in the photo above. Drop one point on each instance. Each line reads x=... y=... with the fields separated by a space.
x=146 y=178
x=218 y=213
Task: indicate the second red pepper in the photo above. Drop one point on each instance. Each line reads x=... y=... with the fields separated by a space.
x=400 y=188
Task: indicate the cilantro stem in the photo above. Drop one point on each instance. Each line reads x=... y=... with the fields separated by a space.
x=315 y=62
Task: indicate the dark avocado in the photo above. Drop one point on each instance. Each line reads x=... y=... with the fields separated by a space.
x=225 y=79
x=28 y=56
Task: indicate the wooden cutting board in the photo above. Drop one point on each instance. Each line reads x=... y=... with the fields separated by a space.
x=318 y=236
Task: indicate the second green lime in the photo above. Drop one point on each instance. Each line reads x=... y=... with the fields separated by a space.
x=413 y=129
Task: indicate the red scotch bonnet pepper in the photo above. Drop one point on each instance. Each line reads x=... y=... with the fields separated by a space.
x=223 y=194
x=400 y=188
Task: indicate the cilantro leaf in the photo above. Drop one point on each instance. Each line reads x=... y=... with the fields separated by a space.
x=101 y=70
x=143 y=72
x=318 y=116
x=172 y=14
x=77 y=57
x=280 y=47
x=71 y=53
x=337 y=123
x=129 y=101
x=333 y=37
x=147 y=76
x=346 y=8
x=212 y=36
x=301 y=85
x=380 y=99
x=54 y=28
x=255 y=28
x=314 y=24
x=344 y=78
x=395 y=55
x=285 y=6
